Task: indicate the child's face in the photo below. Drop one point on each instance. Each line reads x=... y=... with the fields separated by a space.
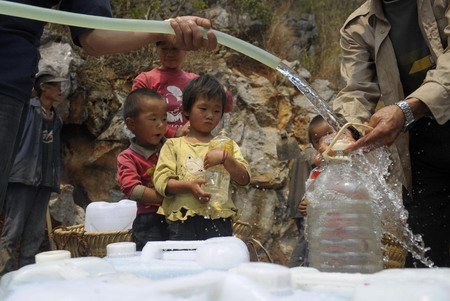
x=150 y=124
x=170 y=57
x=205 y=114
x=318 y=131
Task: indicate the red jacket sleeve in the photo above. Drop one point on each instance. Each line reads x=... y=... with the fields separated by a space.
x=127 y=174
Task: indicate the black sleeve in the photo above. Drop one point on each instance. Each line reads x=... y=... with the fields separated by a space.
x=87 y=7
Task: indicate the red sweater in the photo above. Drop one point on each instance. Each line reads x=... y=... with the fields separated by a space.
x=170 y=84
x=134 y=169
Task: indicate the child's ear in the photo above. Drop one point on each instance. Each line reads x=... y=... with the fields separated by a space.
x=129 y=122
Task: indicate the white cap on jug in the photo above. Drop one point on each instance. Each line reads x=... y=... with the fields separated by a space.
x=121 y=249
x=52 y=256
x=274 y=277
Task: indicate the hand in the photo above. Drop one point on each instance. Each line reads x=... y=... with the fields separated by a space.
x=387 y=124
x=197 y=191
x=189 y=37
x=302 y=208
x=215 y=157
x=184 y=130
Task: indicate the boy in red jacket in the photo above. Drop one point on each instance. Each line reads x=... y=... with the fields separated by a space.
x=144 y=112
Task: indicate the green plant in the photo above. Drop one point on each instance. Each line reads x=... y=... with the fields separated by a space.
x=257 y=9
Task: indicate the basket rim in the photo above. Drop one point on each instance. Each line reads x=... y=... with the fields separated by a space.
x=69 y=229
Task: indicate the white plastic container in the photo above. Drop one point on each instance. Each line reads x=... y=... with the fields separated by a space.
x=105 y=217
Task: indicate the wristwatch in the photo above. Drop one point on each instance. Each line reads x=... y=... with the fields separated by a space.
x=409 y=117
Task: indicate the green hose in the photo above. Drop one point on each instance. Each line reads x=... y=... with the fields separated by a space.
x=88 y=21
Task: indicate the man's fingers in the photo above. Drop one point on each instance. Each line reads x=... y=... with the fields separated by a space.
x=211 y=42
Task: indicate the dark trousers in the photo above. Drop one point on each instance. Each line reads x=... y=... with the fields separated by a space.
x=300 y=252
x=429 y=210
x=199 y=228
x=12 y=120
x=149 y=227
x=25 y=209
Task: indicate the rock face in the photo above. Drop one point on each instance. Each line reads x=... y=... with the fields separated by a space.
x=265 y=103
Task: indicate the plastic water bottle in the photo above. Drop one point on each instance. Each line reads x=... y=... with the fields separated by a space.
x=217 y=177
x=343 y=230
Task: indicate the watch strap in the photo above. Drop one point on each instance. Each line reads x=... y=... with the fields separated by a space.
x=409 y=117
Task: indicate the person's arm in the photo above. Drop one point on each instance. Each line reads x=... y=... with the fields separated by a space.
x=432 y=96
x=230 y=102
x=193 y=187
x=388 y=123
x=236 y=166
x=187 y=36
x=131 y=184
x=434 y=93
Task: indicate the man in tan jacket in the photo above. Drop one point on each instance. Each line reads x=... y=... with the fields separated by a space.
x=395 y=52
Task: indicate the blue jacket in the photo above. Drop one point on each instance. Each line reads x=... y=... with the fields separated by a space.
x=27 y=168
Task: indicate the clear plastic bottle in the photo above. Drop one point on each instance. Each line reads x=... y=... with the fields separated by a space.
x=217 y=177
x=343 y=231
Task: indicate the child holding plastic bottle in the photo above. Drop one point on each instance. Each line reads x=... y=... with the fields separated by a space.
x=180 y=172
x=169 y=80
x=144 y=113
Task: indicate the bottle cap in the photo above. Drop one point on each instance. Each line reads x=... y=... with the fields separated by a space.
x=275 y=278
x=52 y=256
x=121 y=249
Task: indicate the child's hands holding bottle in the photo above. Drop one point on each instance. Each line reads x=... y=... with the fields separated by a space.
x=197 y=191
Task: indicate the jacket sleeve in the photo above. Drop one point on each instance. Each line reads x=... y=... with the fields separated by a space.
x=127 y=174
x=166 y=168
x=238 y=156
x=357 y=101
x=435 y=90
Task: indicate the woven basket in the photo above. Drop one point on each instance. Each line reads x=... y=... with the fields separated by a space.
x=394 y=252
x=81 y=243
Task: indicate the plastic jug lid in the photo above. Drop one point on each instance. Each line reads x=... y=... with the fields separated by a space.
x=276 y=278
x=121 y=249
x=52 y=256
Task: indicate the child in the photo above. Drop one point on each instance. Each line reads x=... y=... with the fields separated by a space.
x=144 y=113
x=34 y=176
x=169 y=80
x=179 y=174
x=302 y=167
x=318 y=129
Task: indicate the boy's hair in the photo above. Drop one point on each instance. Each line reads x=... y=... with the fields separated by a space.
x=315 y=121
x=207 y=86
x=131 y=103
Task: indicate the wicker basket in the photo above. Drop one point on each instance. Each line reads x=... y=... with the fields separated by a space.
x=81 y=243
x=394 y=252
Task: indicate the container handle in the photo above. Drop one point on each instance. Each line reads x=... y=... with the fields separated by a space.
x=325 y=154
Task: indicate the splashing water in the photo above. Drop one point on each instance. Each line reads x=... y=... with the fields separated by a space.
x=388 y=204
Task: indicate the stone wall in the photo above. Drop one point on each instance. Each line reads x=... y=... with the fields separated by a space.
x=265 y=103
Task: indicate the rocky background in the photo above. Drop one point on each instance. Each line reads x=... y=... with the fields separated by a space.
x=265 y=103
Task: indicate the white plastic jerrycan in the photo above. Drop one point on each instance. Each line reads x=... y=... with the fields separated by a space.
x=105 y=217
